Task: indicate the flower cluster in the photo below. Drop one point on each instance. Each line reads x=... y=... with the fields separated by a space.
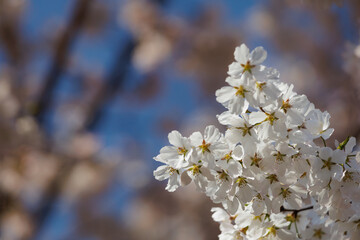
x=271 y=178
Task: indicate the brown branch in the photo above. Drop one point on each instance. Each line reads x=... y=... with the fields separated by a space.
x=295 y=211
x=112 y=85
x=60 y=58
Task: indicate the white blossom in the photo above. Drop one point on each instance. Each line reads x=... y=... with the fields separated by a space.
x=271 y=178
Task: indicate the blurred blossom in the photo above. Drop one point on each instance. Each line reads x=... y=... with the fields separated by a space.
x=206 y=41
x=261 y=22
x=340 y=120
x=155 y=33
x=151 y=52
x=84 y=146
x=352 y=61
x=9 y=105
x=357 y=51
x=10 y=180
x=26 y=125
x=140 y=16
x=70 y=118
x=13 y=7
x=134 y=173
x=189 y=195
x=152 y=225
x=159 y=216
x=301 y=74
x=84 y=179
x=33 y=169
x=15 y=225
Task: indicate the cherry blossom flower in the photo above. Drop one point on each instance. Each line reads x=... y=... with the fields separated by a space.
x=271 y=178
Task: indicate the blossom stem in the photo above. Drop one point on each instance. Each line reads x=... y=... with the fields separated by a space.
x=297 y=231
x=323 y=140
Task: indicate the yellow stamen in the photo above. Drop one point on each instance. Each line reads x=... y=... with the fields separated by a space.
x=182 y=151
x=286 y=105
x=240 y=91
x=247 y=67
x=318 y=233
x=327 y=164
x=204 y=147
x=195 y=169
x=255 y=160
x=260 y=86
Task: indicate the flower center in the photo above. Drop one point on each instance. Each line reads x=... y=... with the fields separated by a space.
x=245 y=130
x=285 y=193
x=318 y=233
x=240 y=91
x=255 y=160
x=286 y=105
x=227 y=157
x=260 y=86
x=204 y=147
x=247 y=67
x=271 y=118
x=195 y=169
x=272 y=178
x=279 y=156
x=241 y=181
x=182 y=151
x=327 y=164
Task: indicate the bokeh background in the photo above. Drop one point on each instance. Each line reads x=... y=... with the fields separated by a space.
x=89 y=90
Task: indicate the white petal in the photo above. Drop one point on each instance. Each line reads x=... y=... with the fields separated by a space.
x=196 y=138
x=233 y=135
x=176 y=139
x=238 y=152
x=211 y=134
x=162 y=173
x=230 y=119
x=235 y=69
x=325 y=153
x=232 y=206
x=258 y=55
x=173 y=183
x=327 y=133
x=225 y=94
x=339 y=156
x=350 y=145
x=256 y=117
x=238 y=105
x=219 y=214
x=241 y=53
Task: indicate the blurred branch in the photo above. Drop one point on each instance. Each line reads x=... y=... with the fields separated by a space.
x=60 y=58
x=114 y=81
x=110 y=88
x=51 y=195
x=113 y=84
x=9 y=35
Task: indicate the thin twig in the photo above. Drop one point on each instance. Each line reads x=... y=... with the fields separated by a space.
x=60 y=59
x=282 y=209
x=323 y=140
